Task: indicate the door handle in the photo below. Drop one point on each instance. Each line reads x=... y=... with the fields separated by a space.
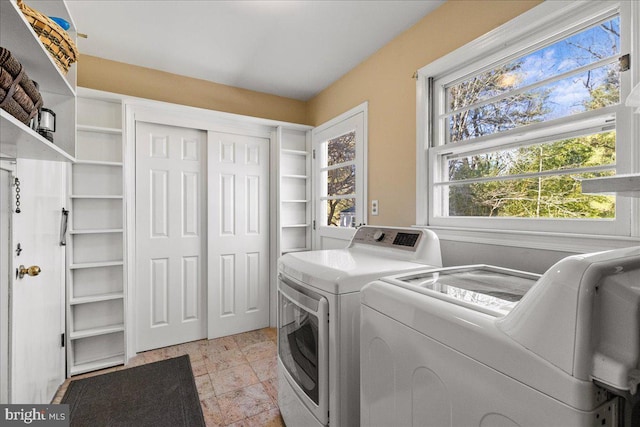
x=63 y=227
x=34 y=270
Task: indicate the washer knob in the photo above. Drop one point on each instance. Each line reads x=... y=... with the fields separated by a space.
x=378 y=235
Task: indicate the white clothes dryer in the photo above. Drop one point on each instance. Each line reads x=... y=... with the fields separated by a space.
x=487 y=346
x=319 y=319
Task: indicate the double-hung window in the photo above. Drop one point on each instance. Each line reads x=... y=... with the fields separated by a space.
x=512 y=124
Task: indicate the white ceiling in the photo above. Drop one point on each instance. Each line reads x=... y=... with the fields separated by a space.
x=290 y=48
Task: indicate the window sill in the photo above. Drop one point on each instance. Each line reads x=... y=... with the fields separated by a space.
x=563 y=242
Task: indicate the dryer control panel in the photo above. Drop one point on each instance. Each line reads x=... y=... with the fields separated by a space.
x=388 y=237
x=410 y=244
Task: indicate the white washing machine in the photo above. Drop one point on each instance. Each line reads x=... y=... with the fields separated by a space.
x=486 y=346
x=319 y=319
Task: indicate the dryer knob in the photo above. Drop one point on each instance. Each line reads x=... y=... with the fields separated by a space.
x=378 y=235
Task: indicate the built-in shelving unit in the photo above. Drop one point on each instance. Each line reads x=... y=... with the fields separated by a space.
x=294 y=216
x=58 y=90
x=96 y=253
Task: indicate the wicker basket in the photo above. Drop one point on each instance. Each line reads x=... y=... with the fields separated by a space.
x=56 y=40
x=19 y=95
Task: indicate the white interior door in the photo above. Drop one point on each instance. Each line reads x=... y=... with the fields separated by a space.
x=170 y=199
x=37 y=303
x=340 y=178
x=238 y=183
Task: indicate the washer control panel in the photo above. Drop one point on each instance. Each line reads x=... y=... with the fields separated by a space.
x=389 y=237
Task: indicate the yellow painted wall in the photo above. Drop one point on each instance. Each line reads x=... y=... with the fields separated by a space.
x=117 y=77
x=385 y=81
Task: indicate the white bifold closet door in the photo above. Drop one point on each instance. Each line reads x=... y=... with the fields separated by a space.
x=170 y=288
x=238 y=229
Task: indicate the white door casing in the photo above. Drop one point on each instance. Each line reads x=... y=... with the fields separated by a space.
x=170 y=225
x=238 y=230
x=6 y=260
x=37 y=303
x=329 y=237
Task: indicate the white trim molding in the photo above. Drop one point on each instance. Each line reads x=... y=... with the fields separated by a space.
x=332 y=128
x=563 y=242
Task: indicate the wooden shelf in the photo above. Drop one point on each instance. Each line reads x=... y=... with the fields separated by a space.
x=95 y=265
x=94 y=332
x=17 y=140
x=96 y=298
x=98 y=163
x=90 y=196
x=96 y=365
x=97 y=231
x=294 y=152
x=99 y=129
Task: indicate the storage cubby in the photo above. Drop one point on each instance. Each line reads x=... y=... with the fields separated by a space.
x=294 y=140
x=96 y=214
x=293 y=188
x=97 y=352
x=97 y=179
x=98 y=113
x=97 y=247
x=99 y=145
x=293 y=213
x=292 y=164
x=97 y=283
x=294 y=239
x=96 y=253
x=93 y=316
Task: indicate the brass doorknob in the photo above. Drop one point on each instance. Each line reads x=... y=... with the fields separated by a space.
x=34 y=270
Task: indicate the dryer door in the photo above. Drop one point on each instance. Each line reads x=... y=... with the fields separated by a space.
x=303 y=344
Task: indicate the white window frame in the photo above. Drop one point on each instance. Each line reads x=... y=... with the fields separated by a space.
x=550 y=20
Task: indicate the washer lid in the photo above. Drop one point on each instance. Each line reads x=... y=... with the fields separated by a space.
x=341 y=271
x=492 y=290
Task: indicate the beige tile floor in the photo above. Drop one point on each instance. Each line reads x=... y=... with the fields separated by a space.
x=236 y=377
